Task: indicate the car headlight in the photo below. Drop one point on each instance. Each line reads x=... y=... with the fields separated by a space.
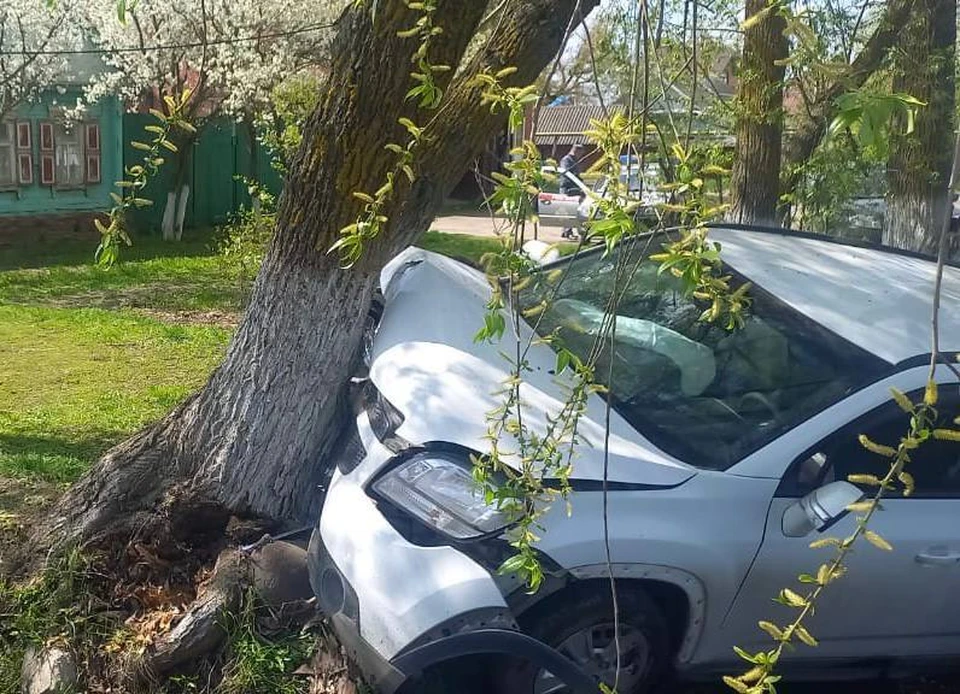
x=438 y=489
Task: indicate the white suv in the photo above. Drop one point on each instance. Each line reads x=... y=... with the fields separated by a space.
x=729 y=454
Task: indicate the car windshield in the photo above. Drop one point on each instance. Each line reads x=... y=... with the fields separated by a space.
x=701 y=393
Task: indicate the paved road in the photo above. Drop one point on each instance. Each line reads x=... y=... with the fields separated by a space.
x=483 y=225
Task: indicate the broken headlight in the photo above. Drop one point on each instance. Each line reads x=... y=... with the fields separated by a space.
x=438 y=489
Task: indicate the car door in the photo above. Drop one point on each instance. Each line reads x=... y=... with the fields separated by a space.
x=902 y=604
x=555 y=206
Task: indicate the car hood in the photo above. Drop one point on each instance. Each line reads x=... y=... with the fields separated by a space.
x=427 y=364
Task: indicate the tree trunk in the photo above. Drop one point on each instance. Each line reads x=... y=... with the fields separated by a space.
x=800 y=144
x=253 y=440
x=918 y=170
x=756 y=167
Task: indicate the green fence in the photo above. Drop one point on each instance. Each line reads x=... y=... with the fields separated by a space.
x=220 y=154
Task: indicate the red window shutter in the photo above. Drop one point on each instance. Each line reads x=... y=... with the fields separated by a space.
x=24 y=136
x=25 y=166
x=93 y=152
x=46 y=136
x=47 y=169
x=93 y=167
x=93 y=136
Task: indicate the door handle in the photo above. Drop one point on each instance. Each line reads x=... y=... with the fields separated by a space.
x=939 y=559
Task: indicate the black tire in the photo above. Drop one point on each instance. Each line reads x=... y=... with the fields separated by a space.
x=581 y=607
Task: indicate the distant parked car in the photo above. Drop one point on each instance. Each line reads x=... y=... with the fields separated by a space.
x=573 y=210
x=558 y=207
x=729 y=452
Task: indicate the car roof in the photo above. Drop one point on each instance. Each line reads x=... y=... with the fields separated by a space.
x=878 y=298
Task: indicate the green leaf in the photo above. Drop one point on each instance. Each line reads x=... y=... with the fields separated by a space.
x=804 y=635
x=736 y=685
x=877 y=541
x=902 y=400
x=775 y=632
x=792 y=599
x=512 y=565
x=930 y=394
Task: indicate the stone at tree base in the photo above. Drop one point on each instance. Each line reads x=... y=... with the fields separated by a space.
x=48 y=671
x=280 y=574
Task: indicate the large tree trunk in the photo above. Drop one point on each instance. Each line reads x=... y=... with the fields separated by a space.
x=253 y=440
x=812 y=122
x=754 y=184
x=918 y=170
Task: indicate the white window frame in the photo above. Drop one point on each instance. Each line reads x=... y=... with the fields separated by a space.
x=10 y=127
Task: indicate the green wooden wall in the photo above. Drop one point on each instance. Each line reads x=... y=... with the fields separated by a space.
x=220 y=154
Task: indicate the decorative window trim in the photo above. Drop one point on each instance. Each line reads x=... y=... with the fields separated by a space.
x=92 y=152
x=24 y=134
x=93 y=167
x=10 y=127
x=48 y=168
x=25 y=168
x=47 y=136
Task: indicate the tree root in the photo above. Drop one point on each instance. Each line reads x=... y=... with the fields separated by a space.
x=200 y=630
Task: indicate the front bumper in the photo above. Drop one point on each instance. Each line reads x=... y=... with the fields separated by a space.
x=399 y=607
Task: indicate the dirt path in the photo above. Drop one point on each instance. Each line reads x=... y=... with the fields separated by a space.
x=483 y=225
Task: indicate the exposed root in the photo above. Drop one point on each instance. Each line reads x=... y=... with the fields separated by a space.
x=200 y=629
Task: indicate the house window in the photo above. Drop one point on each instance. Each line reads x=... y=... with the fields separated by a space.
x=8 y=155
x=69 y=156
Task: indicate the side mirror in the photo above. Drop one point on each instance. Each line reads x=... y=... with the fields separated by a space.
x=820 y=509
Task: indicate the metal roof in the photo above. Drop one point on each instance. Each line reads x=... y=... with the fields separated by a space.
x=878 y=299
x=564 y=125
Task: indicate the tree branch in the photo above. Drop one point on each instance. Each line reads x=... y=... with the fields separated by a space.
x=810 y=131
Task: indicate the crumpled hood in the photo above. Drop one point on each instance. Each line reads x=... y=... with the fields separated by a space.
x=426 y=363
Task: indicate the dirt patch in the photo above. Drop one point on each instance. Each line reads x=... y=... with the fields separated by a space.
x=220 y=319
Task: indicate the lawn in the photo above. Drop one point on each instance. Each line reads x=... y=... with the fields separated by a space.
x=87 y=356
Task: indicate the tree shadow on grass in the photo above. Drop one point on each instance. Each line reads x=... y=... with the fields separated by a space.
x=39 y=251
x=53 y=458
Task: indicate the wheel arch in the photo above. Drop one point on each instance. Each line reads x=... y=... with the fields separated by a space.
x=678 y=593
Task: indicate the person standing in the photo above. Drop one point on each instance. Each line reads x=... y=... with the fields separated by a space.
x=570 y=163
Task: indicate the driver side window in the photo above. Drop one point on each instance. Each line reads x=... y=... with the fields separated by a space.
x=935 y=465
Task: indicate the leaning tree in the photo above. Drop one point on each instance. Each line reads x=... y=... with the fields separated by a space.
x=253 y=440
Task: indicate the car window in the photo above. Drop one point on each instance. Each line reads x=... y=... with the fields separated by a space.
x=935 y=465
x=550 y=183
x=701 y=393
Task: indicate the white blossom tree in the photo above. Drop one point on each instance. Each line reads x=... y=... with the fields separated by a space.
x=229 y=53
x=33 y=36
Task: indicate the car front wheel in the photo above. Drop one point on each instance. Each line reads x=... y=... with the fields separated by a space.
x=579 y=623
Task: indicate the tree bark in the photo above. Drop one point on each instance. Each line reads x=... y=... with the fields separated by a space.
x=253 y=440
x=754 y=184
x=800 y=145
x=918 y=169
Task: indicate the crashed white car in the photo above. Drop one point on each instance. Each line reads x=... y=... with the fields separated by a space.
x=729 y=453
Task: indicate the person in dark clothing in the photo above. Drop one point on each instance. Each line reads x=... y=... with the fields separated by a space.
x=571 y=163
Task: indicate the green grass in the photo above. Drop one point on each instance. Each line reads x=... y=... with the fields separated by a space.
x=73 y=382
x=459 y=246
x=154 y=274
x=85 y=357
